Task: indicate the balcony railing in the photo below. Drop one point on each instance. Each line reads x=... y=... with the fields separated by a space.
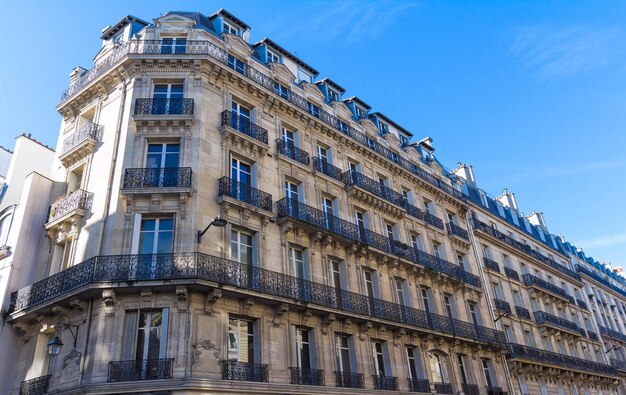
x=243 y=125
x=419 y=385
x=546 y=318
x=349 y=380
x=470 y=389
x=592 y=335
x=582 y=304
x=522 y=312
x=77 y=200
x=167 y=177
x=89 y=131
x=433 y=220
x=483 y=227
x=292 y=152
x=147 y=369
x=491 y=264
x=353 y=177
x=511 y=273
x=537 y=282
x=619 y=364
x=322 y=166
x=304 y=376
x=496 y=391
x=317 y=218
x=456 y=230
x=36 y=386
x=163 y=106
x=124 y=268
x=387 y=383
x=601 y=278
x=502 y=306
x=443 y=388
x=543 y=357
x=245 y=371
x=612 y=333
x=245 y=193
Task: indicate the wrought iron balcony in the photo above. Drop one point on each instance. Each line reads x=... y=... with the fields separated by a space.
x=522 y=312
x=537 y=282
x=245 y=193
x=150 y=267
x=36 y=386
x=353 y=177
x=292 y=152
x=511 y=273
x=349 y=380
x=443 y=388
x=167 y=177
x=496 y=391
x=243 y=125
x=245 y=371
x=456 y=230
x=491 y=264
x=304 y=376
x=147 y=369
x=502 y=306
x=387 y=383
x=488 y=229
x=601 y=278
x=419 y=385
x=163 y=106
x=414 y=212
x=543 y=357
x=77 y=200
x=619 y=364
x=470 y=389
x=89 y=132
x=322 y=166
x=592 y=335
x=546 y=318
x=581 y=303
x=612 y=333
x=433 y=220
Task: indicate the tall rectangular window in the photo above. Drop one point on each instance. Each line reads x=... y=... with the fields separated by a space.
x=462 y=371
x=474 y=313
x=379 y=358
x=145 y=339
x=156 y=236
x=241 y=247
x=487 y=372
x=291 y=190
x=399 y=285
x=303 y=348
x=241 y=340
x=296 y=260
x=342 y=352
x=425 y=292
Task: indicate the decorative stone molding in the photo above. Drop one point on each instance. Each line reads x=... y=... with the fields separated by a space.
x=327 y=321
x=246 y=305
x=71 y=364
x=108 y=297
x=182 y=294
x=212 y=297
x=364 y=328
x=146 y=297
x=279 y=312
x=204 y=345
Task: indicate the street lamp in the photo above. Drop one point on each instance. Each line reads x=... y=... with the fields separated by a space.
x=55 y=345
x=217 y=221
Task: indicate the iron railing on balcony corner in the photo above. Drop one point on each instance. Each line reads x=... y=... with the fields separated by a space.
x=443 y=388
x=245 y=371
x=164 y=106
x=322 y=166
x=582 y=304
x=502 y=306
x=77 y=200
x=353 y=177
x=511 y=273
x=531 y=280
x=612 y=333
x=166 y=177
x=522 y=312
x=290 y=150
x=419 y=385
x=470 y=389
x=433 y=220
x=88 y=131
x=491 y=264
x=541 y=317
x=456 y=230
x=496 y=391
x=146 y=369
x=414 y=211
x=35 y=386
x=307 y=376
x=243 y=125
x=244 y=193
x=520 y=351
x=387 y=383
x=592 y=335
x=349 y=380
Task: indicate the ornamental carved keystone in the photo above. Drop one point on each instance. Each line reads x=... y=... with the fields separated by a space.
x=246 y=305
x=212 y=297
x=364 y=328
x=108 y=297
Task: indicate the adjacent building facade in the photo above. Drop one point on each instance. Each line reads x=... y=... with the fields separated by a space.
x=346 y=259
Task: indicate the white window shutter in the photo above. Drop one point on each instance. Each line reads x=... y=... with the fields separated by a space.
x=134 y=249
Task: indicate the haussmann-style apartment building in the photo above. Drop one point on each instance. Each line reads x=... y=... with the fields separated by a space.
x=345 y=260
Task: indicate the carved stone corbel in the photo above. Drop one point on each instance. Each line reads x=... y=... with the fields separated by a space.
x=279 y=312
x=24 y=331
x=212 y=297
x=146 y=297
x=305 y=315
x=327 y=322
x=364 y=328
x=79 y=305
x=108 y=297
x=398 y=334
x=182 y=294
x=246 y=305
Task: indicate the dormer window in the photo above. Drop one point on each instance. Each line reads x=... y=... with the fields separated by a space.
x=404 y=141
x=384 y=128
x=304 y=76
x=231 y=29
x=173 y=45
x=360 y=112
x=273 y=56
x=118 y=38
x=483 y=198
x=333 y=95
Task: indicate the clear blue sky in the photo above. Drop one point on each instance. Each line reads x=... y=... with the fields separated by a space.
x=531 y=93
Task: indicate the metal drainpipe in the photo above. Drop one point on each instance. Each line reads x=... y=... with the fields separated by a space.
x=483 y=280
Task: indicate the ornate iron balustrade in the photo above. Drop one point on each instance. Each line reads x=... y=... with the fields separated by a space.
x=535 y=281
x=244 y=193
x=147 y=369
x=387 y=383
x=496 y=391
x=326 y=168
x=619 y=364
x=511 y=273
x=349 y=380
x=77 y=200
x=166 y=177
x=612 y=333
x=89 y=131
x=470 y=389
x=245 y=371
x=433 y=220
x=485 y=228
x=543 y=357
x=419 y=385
x=36 y=386
x=353 y=177
x=592 y=335
x=522 y=312
x=443 y=388
x=304 y=376
x=502 y=306
x=292 y=152
x=599 y=278
x=582 y=304
x=546 y=318
x=164 y=106
x=456 y=230
x=244 y=126
x=491 y=264
x=414 y=211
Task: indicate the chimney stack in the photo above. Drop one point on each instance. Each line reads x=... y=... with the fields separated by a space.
x=465 y=172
